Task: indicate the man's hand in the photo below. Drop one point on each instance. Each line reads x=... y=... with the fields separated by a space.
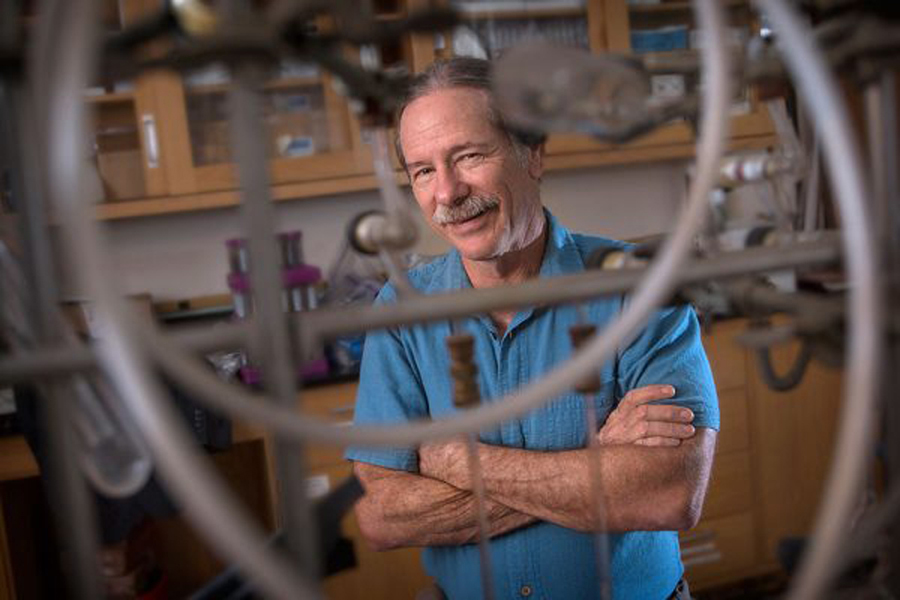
x=634 y=421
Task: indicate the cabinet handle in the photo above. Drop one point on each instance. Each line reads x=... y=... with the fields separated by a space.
x=151 y=142
x=694 y=537
x=343 y=409
x=700 y=548
x=702 y=559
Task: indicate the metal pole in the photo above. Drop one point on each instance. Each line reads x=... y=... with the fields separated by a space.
x=881 y=121
x=270 y=344
x=327 y=323
x=68 y=494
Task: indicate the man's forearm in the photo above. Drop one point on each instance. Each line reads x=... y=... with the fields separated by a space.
x=642 y=488
x=404 y=509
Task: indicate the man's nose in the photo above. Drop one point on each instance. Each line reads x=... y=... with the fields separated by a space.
x=449 y=186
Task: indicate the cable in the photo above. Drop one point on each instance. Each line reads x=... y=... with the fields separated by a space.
x=791 y=379
x=819 y=89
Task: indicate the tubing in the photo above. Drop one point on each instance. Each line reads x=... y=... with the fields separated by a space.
x=75 y=519
x=205 y=499
x=794 y=375
x=820 y=91
x=651 y=293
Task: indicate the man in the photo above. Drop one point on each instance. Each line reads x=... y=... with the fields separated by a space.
x=479 y=187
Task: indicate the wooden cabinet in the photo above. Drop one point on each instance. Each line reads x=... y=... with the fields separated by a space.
x=308 y=129
x=773 y=453
x=624 y=28
x=162 y=143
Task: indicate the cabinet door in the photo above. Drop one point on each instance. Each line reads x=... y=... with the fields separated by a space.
x=666 y=27
x=309 y=131
x=123 y=138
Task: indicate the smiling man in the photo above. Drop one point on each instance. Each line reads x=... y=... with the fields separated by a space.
x=478 y=185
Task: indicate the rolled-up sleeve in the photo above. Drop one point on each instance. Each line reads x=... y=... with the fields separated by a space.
x=669 y=351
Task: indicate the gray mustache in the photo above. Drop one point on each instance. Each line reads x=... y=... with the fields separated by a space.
x=468 y=208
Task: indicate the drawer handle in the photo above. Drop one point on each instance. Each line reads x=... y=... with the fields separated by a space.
x=703 y=559
x=692 y=550
x=151 y=142
x=704 y=535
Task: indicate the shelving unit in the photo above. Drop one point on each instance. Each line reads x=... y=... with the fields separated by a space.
x=164 y=147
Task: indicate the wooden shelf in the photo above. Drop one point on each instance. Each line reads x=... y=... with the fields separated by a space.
x=111 y=98
x=679 y=7
x=524 y=13
x=590 y=157
x=274 y=84
x=390 y=16
x=125 y=209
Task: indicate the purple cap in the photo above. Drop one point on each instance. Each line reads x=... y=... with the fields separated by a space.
x=249 y=375
x=309 y=371
x=314 y=369
x=300 y=275
x=238 y=282
x=292 y=277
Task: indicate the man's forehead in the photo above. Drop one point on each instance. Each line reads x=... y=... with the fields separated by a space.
x=435 y=117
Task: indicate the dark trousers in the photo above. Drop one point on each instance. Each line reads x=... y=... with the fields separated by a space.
x=681 y=592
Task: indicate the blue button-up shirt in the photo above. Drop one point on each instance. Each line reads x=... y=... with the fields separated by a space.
x=405 y=376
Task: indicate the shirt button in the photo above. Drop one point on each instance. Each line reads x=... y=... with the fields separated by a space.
x=525 y=591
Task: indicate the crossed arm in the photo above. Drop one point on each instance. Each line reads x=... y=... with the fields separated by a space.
x=653 y=469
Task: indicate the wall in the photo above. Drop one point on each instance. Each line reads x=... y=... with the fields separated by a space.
x=183 y=256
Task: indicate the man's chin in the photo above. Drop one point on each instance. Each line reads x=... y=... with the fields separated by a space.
x=477 y=253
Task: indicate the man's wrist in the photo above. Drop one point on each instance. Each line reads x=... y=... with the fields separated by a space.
x=444 y=461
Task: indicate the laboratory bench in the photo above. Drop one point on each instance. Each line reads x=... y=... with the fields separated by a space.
x=771 y=461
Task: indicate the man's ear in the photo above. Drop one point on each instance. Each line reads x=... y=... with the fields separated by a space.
x=536 y=161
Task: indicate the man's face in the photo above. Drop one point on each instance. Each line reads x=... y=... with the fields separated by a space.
x=473 y=188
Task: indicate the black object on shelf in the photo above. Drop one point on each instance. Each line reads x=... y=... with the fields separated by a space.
x=338 y=550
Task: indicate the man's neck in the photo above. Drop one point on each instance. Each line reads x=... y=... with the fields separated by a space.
x=510 y=268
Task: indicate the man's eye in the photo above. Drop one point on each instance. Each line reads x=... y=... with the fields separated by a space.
x=421 y=173
x=472 y=156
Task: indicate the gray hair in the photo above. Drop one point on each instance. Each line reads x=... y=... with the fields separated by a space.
x=469 y=72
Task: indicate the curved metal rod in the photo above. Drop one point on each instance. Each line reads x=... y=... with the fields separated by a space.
x=654 y=290
x=820 y=91
x=791 y=379
x=203 y=496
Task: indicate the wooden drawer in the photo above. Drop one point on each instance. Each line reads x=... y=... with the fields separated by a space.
x=378 y=575
x=333 y=403
x=730 y=489
x=726 y=357
x=719 y=548
x=734 y=431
